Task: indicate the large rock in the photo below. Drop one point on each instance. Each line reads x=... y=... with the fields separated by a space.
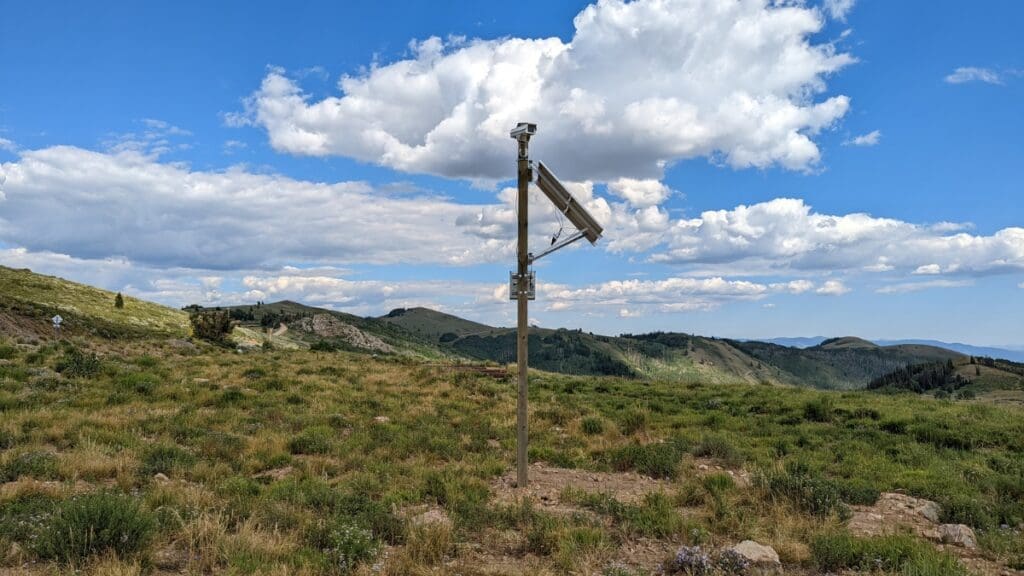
x=757 y=554
x=958 y=535
x=328 y=326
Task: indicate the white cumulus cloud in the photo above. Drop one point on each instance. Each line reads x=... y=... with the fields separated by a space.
x=832 y=288
x=785 y=234
x=640 y=85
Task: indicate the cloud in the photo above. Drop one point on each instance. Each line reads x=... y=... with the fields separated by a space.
x=832 y=288
x=786 y=235
x=971 y=74
x=866 y=140
x=640 y=193
x=8 y=145
x=905 y=287
x=126 y=204
x=838 y=9
x=640 y=85
x=644 y=296
x=928 y=269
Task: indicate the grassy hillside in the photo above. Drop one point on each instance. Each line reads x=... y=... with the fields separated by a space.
x=843 y=363
x=961 y=378
x=299 y=462
x=436 y=326
x=255 y=319
x=28 y=300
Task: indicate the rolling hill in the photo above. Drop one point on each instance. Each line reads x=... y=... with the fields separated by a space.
x=28 y=301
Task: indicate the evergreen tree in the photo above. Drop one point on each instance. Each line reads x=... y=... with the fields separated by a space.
x=118 y=301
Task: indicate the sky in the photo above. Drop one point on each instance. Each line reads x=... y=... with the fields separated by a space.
x=762 y=168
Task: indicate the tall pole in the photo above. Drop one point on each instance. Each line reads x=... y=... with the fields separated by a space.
x=522 y=328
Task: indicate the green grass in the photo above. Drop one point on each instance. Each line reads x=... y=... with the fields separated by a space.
x=279 y=459
x=84 y=308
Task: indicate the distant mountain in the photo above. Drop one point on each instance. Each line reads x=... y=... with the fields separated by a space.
x=796 y=342
x=967 y=349
x=27 y=300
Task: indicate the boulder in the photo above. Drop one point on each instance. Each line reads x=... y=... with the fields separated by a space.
x=757 y=554
x=929 y=510
x=958 y=535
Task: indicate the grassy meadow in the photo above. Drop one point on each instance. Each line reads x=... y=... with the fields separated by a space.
x=151 y=456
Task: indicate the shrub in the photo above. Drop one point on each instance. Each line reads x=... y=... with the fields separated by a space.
x=592 y=426
x=119 y=301
x=92 y=524
x=345 y=544
x=719 y=448
x=38 y=464
x=211 y=325
x=633 y=421
x=315 y=440
x=804 y=489
x=657 y=460
x=821 y=409
x=164 y=458
x=372 y=515
x=77 y=364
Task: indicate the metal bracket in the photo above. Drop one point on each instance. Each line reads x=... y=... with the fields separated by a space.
x=531 y=285
x=531 y=258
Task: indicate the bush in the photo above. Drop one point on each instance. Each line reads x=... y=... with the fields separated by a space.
x=39 y=464
x=592 y=426
x=633 y=421
x=315 y=440
x=804 y=489
x=719 y=448
x=820 y=409
x=164 y=458
x=93 y=524
x=658 y=460
x=77 y=364
x=345 y=544
x=211 y=325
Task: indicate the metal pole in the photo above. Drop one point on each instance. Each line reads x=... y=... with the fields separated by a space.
x=522 y=328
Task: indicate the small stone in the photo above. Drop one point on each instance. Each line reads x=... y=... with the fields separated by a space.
x=757 y=554
x=958 y=535
x=381 y=419
x=702 y=467
x=161 y=477
x=930 y=510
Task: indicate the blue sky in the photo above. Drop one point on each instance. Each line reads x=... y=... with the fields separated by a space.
x=762 y=170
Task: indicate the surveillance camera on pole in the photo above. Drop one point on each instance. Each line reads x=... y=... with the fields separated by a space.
x=522 y=284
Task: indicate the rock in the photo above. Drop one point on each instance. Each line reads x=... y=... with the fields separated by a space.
x=958 y=535
x=182 y=345
x=381 y=419
x=329 y=326
x=929 y=510
x=757 y=554
x=275 y=474
x=161 y=477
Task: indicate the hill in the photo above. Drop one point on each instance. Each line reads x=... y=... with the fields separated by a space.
x=843 y=363
x=965 y=377
x=434 y=325
x=295 y=325
x=28 y=301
